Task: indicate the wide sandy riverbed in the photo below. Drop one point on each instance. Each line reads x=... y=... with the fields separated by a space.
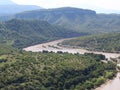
x=111 y=85
x=53 y=46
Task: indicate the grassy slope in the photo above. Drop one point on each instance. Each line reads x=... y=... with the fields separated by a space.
x=106 y=42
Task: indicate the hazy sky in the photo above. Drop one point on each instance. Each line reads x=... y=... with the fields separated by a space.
x=87 y=4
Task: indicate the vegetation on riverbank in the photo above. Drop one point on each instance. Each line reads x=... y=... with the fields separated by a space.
x=105 y=42
x=50 y=71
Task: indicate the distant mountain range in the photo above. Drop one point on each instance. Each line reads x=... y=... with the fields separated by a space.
x=76 y=19
x=80 y=20
x=9 y=7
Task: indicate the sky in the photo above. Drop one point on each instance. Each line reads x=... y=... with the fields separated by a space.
x=98 y=5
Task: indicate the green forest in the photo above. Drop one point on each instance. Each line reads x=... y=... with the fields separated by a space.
x=20 y=70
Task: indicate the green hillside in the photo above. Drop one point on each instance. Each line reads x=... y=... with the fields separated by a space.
x=22 y=33
x=104 y=42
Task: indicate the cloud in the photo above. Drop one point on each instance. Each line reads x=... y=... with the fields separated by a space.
x=51 y=3
x=107 y=4
x=91 y=4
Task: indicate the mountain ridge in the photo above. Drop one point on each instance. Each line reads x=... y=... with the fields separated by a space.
x=80 y=20
x=75 y=19
x=9 y=7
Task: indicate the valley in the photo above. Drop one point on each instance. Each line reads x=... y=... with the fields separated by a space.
x=64 y=48
x=55 y=46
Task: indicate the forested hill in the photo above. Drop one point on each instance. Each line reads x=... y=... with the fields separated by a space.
x=66 y=17
x=52 y=15
x=21 y=33
x=105 y=42
x=76 y=19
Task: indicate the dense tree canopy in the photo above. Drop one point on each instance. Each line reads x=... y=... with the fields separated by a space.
x=21 y=70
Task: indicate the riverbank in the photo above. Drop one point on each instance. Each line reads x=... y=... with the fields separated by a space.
x=111 y=84
x=54 y=47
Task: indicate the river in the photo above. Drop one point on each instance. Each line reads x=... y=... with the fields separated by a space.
x=53 y=46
